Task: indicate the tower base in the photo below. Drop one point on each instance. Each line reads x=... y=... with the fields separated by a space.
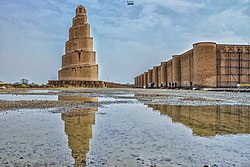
x=84 y=84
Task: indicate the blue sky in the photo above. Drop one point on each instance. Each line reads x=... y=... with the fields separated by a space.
x=127 y=39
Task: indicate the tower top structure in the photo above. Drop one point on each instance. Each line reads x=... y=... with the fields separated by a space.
x=81 y=10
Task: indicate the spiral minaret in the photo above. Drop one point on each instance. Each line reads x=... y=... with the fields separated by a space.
x=79 y=60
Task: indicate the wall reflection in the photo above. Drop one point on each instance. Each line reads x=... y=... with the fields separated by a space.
x=208 y=121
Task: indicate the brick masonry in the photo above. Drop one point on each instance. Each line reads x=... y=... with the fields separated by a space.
x=79 y=61
x=207 y=64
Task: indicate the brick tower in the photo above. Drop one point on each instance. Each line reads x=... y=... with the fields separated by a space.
x=79 y=60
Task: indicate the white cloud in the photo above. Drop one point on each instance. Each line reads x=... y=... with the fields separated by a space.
x=179 y=6
x=128 y=39
x=227 y=26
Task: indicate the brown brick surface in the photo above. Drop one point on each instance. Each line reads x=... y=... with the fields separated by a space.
x=79 y=60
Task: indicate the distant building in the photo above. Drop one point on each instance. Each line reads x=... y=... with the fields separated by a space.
x=207 y=64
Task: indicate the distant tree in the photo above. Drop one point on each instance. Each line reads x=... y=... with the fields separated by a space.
x=24 y=81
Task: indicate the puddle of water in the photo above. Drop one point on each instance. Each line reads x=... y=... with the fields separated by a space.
x=134 y=135
x=41 y=91
x=12 y=97
x=40 y=138
x=125 y=95
x=207 y=121
x=77 y=98
x=110 y=99
x=78 y=127
x=127 y=135
x=35 y=137
x=93 y=99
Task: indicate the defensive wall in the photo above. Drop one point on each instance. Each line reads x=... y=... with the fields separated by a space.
x=207 y=64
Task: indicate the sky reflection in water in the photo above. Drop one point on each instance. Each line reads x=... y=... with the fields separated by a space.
x=127 y=135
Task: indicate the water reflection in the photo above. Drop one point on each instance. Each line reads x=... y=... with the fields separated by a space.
x=208 y=121
x=78 y=127
x=77 y=98
x=18 y=97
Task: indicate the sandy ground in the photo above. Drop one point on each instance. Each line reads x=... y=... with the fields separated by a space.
x=146 y=96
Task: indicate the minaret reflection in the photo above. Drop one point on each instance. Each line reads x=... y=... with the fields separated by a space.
x=78 y=127
x=77 y=98
x=209 y=121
